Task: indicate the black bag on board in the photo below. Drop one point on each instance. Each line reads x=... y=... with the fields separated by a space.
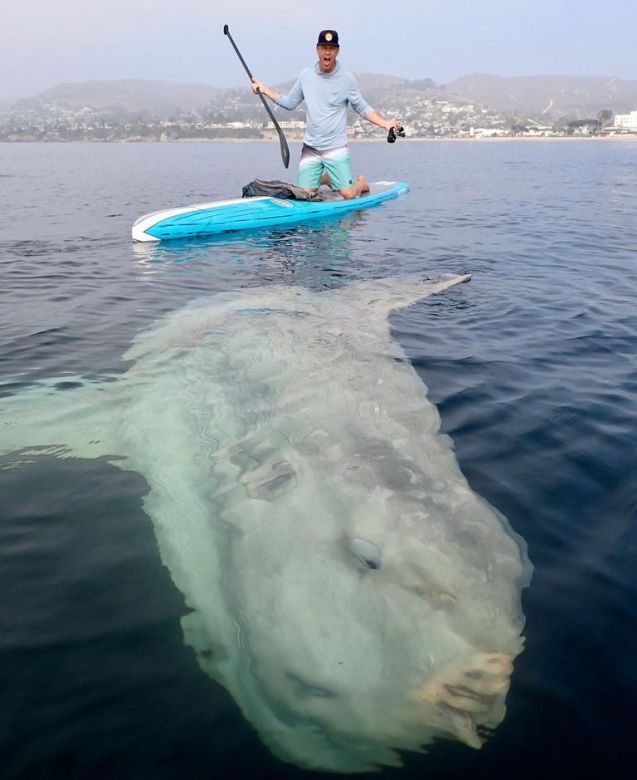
x=278 y=189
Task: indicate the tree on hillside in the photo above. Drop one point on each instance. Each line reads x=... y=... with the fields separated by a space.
x=605 y=118
x=422 y=84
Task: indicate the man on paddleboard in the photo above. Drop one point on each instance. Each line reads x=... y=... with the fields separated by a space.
x=327 y=90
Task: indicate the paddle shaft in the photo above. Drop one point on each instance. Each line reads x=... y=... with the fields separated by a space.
x=285 y=151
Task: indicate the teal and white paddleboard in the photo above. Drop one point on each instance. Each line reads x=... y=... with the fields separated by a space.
x=205 y=219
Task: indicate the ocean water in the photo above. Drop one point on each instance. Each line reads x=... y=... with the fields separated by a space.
x=533 y=370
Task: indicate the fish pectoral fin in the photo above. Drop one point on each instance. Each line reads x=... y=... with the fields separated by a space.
x=270 y=480
x=264 y=472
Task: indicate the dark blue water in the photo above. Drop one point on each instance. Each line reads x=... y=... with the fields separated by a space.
x=534 y=373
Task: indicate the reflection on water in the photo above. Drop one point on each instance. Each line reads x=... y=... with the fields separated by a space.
x=315 y=254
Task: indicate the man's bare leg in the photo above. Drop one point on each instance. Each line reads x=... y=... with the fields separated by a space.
x=325 y=179
x=360 y=187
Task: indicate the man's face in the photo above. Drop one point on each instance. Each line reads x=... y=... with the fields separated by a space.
x=327 y=55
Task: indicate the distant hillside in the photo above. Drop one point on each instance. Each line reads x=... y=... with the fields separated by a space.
x=525 y=96
x=127 y=96
x=381 y=91
x=373 y=82
x=552 y=96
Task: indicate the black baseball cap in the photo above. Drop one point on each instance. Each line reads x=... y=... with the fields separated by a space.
x=327 y=38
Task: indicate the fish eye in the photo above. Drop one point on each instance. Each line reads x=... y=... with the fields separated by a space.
x=365 y=552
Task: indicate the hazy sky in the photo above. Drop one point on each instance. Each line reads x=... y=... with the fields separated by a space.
x=48 y=42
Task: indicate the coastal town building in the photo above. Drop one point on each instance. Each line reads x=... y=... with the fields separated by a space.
x=626 y=122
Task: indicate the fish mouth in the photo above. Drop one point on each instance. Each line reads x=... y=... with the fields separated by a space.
x=467 y=701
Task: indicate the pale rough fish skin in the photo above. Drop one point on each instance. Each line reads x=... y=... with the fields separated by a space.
x=344 y=582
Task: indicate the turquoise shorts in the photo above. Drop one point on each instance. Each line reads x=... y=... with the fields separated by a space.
x=335 y=162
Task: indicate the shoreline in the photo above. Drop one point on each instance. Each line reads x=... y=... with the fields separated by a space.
x=496 y=139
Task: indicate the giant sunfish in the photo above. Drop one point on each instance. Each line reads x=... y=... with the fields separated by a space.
x=343 y=581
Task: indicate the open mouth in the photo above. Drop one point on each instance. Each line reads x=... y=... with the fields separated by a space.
x=327 y=57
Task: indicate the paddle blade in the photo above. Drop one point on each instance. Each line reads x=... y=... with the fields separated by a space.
x=285 y=151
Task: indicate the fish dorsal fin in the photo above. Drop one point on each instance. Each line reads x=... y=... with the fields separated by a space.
x=379 y=297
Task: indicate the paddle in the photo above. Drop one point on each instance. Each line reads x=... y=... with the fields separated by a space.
x=285 y=152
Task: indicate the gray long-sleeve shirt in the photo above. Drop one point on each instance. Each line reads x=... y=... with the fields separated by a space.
x=326 y=96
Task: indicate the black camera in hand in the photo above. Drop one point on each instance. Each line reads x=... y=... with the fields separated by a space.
x=393 y=134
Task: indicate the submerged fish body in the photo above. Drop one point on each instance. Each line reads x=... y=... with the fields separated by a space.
x=344 y=582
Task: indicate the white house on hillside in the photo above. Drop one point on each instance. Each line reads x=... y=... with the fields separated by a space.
x=626 y=121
